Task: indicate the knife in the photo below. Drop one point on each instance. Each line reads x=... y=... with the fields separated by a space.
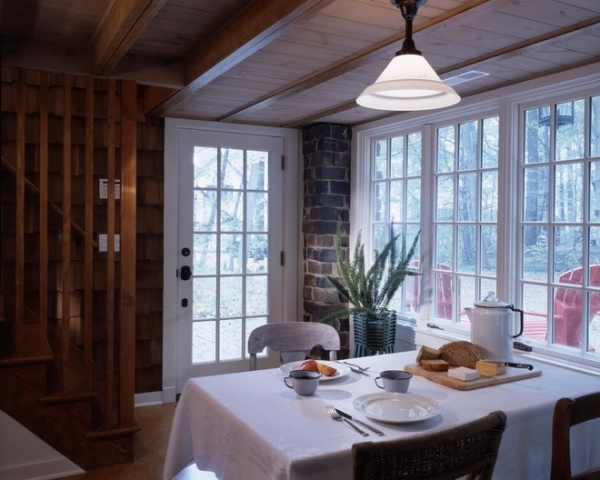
x=350 y=417
x=511 y=364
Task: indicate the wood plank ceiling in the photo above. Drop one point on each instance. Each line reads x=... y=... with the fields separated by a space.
x=292 y=62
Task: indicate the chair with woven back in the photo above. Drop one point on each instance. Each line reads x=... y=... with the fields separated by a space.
x=569 y=412
x=292 y=340
x=467 y=450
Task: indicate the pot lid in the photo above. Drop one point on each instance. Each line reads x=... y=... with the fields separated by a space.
x=491 y=301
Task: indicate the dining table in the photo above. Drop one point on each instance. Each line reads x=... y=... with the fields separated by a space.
x=250 y=426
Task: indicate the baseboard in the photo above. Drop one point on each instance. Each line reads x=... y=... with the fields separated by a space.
x=148 y=399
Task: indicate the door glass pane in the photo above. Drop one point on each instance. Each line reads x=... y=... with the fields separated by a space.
x=231 y=253
x=205 y=167
x=230 y=296
x=256 y=295
x=204 y=334
x=205 y=254
x=258 y=173
x=232 y=211
x=205 y=297
x=230 y=339
x=232 y=168
x=258 y=253
x=258 y=213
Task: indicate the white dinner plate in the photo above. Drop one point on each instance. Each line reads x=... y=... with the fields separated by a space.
x=342 y=370
x=397 y=407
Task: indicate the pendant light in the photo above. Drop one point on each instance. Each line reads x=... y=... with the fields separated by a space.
x=409 y=82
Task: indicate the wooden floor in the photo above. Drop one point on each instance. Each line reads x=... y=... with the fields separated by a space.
x=150 y=450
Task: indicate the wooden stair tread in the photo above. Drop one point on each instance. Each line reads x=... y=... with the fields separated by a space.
x=103 y=433
x=17 y=360
x=69 y=397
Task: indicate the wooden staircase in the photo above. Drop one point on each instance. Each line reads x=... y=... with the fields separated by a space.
x=70 y=418
x=67 y=311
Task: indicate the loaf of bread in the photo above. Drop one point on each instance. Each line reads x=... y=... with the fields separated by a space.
x=427 y=353
x=435 y=365
x=460 y=354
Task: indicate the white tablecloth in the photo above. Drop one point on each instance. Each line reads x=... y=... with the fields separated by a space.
x=250 y=426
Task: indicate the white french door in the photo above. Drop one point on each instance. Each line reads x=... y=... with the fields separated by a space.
x=230 y=243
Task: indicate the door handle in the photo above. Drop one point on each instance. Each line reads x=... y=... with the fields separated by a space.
x=186 y=273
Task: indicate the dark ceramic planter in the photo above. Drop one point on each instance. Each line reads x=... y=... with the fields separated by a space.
x=374 y=333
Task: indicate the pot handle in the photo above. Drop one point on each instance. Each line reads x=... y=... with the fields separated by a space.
x=521 y=321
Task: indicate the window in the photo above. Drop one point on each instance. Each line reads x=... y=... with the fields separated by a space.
x=560 y=222
x=465 y=215
x=396 y=187
x=506 y=193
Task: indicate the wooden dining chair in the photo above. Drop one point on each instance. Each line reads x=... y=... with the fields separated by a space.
x=567 y=413
x=470 y=449
x=293 y=340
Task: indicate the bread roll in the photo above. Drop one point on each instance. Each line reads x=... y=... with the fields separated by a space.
x=435 y=365
x=427 y=353
x=460 y=354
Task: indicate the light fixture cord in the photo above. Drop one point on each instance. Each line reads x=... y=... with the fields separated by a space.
x=409 y=11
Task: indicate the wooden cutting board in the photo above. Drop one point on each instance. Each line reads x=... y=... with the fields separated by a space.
x=512 y=374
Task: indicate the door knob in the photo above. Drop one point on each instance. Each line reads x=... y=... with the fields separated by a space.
x=186 y=273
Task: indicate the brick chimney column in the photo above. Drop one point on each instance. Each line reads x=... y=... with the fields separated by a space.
x=326 y=151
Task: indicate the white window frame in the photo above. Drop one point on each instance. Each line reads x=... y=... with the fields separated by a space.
x=505 y=103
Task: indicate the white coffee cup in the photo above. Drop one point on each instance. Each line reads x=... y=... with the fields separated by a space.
x=395 y=381
x=304 y=382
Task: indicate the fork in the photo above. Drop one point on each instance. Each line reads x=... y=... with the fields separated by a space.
x=336 y=416
x=355 y=367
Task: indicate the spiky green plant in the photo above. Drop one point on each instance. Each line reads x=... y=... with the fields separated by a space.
x=370 y=290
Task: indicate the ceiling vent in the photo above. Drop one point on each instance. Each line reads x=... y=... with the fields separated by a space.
x=465 y=77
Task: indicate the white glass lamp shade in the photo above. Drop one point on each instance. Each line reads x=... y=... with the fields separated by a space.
x=408 y=83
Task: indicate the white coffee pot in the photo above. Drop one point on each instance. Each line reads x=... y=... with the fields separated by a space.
x=492 y=327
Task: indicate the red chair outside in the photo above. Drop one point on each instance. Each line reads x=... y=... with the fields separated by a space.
x=443 y=302
x=568 y=311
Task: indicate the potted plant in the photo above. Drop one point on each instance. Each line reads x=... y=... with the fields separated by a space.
x=370 y=290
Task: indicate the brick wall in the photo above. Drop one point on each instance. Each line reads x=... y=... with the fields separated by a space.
x=326 y=153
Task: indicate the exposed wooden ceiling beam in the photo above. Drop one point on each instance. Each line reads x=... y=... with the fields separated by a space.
x=124 y=22
x=262 y=22
x=457 y=15
x=478 y=63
